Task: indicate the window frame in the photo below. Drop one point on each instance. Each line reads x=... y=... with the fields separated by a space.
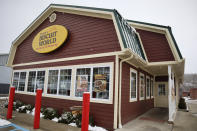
x=58 y=68
x=26 y=78
x=148 y=77
x=110 y=65
x=136 y=72
x=35 y=79
x=73 y=79
x=152 y=88
x=142 y=98
x=165 y=86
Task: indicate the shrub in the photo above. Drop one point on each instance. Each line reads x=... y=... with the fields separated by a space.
x=182 y=104
x=29 y=107
x=66 y=117
x=41 y=109
x=22 y=109
x=6 y=104
x=78 y=120
x=50 y=113
x=18 y=104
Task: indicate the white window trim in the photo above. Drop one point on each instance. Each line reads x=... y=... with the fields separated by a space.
x=166 y=89
x=133 y=99
x=148 y=77
x=152 y=95
x=26 y=84
x=73 y=79
x=91 y=79
x=141 y=98
x=19 y=80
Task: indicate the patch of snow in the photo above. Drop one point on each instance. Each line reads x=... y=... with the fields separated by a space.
x=41 y=115
x=33 y=113
x=72 y=124
x=22 y=107
x=194 y=115
x=28 y=112
x=17 y=109
x=3 y=98
x=55 y=119
x=4 y=122
x=96 y=128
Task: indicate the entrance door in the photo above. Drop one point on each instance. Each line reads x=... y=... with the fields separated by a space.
x=161 y=94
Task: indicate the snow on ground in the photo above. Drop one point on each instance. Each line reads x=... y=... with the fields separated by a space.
x=96 y=128
x=3 y=98
x=33 y=112
x=90 y=128
x=4 y=122
x=22 y=107
x=55 y=119
x=72 y=124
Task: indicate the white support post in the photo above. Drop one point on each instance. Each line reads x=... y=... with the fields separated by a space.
x=171 y=95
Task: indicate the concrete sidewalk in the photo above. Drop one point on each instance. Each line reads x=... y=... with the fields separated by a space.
x=26 y=121
x=153 y=120
x=185 y=121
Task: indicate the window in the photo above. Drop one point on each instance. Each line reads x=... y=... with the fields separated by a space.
x=52 y=81
x=95 y=80
x=100 y=84
x=35 y=80
x=147 y=87
x=151 y=86
x=161 y=90
x=19 y=81
x=57 y=82
x=142 y=86
x=15 y=80
x=65 y=82
x=82 y=81
x=133 y=85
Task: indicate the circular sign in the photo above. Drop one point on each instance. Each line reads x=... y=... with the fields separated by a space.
x=49 y=39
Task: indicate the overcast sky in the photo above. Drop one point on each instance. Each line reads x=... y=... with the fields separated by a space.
x=181 y=15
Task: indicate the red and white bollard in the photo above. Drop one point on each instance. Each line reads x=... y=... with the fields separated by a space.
x=10 y=104
x=85 y=111
x=37 y=108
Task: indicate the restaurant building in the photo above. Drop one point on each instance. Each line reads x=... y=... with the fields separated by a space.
x=127 y=66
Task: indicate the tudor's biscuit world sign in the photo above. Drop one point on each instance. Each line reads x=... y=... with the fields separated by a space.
x=49 y=39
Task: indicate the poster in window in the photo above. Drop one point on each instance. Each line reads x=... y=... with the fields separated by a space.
x=82 y=83
x=100 y=83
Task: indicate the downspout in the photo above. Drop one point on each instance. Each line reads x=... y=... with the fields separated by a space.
x=120 y=86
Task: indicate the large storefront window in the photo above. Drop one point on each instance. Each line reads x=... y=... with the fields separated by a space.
x=15 y=80
x=52 y=82
x=35 y=80
x=96 y=79
x=19 y=81
x=65 y=82
x=147 y=87
x=133 y=85
x=100 y=84
x=31 y=81
x=142 y=86
x=40 y=80
x=82 y=81
x=59 y=82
